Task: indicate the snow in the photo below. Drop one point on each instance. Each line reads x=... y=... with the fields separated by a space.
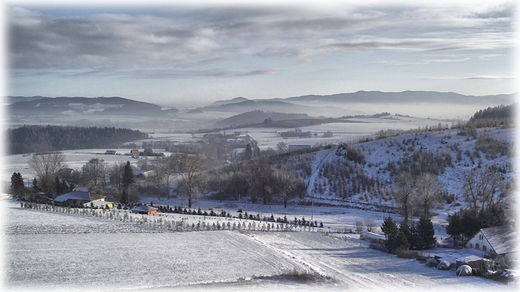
x=50 y=251
x=58 y=251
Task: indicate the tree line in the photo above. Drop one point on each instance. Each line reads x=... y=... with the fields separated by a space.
x=255 y=179
x=35 y=138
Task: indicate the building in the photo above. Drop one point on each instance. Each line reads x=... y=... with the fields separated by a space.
x=145 y=210
x=299 y=147
x=134 y=153
x=99 y=204
x=73 y=199
x=66 y=174
x=498 y=242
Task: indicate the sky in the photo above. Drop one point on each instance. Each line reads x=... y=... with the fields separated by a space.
x=176 y=52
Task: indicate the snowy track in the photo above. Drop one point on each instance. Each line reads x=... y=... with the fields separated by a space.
x=355 y=267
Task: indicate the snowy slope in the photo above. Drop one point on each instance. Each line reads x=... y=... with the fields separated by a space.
x=378 y=154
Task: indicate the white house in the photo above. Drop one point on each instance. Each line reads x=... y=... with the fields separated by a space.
x=498 y=242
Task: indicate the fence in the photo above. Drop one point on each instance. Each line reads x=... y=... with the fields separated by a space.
x=179 y=222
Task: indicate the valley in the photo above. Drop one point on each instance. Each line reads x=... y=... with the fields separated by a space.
x=348 y=169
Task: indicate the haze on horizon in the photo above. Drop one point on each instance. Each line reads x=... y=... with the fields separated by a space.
x=199 y=52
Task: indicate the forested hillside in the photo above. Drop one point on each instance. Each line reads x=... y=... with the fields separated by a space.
x=418 y=173
x=257 y=117
x=27 y=139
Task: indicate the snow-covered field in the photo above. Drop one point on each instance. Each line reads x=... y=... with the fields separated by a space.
x=56 y=251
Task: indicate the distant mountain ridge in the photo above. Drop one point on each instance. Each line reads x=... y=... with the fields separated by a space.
x=404 y=96
x=230 y=101
x=77 y=109
x=85 y=106
x=244 y=105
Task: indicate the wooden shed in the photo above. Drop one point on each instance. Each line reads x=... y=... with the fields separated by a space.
x=145 y=210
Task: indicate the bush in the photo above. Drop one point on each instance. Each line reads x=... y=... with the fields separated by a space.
x=378 y=247
x=406 y=254
x=359 y=226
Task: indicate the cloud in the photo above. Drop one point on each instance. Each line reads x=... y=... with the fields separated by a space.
x=180 y=38
x=476 y=77
x=422 y=62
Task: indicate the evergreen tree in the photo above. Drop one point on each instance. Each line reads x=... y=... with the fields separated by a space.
x=248 y=152
x=493 y=215
x=400 y=242
x=410 y=234
x=128 y=176
x=470 y=222
x=57 y=187
x=455 y=228
x=424 y=235
x=124 y=198
x=396 y=236
x=17 y=184
x=35 y=186
x=389 y=227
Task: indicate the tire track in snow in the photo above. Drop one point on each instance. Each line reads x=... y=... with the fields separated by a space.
x=316 y=171
x=329 y=257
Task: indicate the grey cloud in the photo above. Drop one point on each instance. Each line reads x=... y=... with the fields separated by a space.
x=169 y=73
x=148 y=73
x=186 y=36
x=478 y=77
x=504 y=12
x=362 y=45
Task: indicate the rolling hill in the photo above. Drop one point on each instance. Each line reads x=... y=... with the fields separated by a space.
x=117 y=106
x=405 y=97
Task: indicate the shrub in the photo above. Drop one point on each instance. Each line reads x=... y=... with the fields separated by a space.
x=406 y=254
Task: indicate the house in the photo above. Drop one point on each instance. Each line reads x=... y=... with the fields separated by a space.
x=141 y=174
x=299 y=147
x=76 y=198
x=111 y=152
x=66 y=174
x=499 y=242
x=99 y=204
x=134 y=153
x=145 y=210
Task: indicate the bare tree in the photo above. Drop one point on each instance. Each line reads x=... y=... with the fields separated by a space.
x=259 y=176
x=405 y=193
x=192 y=179
x=46 y=165
x=482 y=188
x=287 y=184
x=428 y=192
x=93 y=172
x=167 y=170
x=370 y=224
x=359 y=226
x=154 y=182
x=115 y=175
